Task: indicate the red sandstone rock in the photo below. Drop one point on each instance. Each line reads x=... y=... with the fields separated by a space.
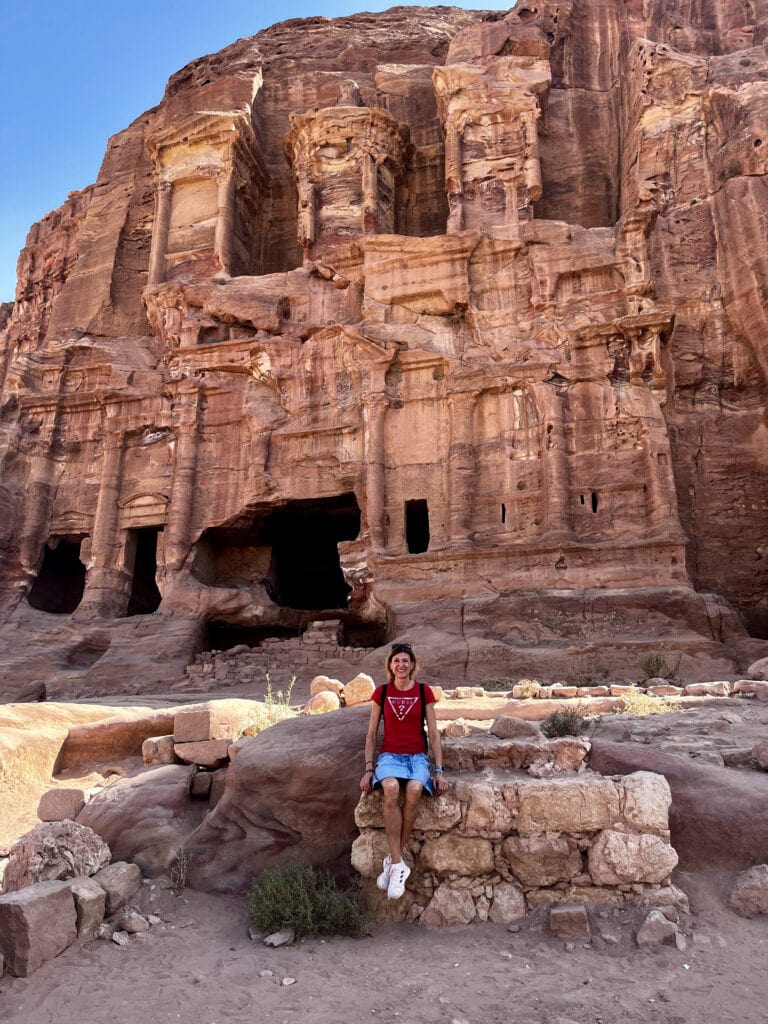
x=60 y=803
x=120 y=881
x=36 y=924
x=52 y=851
x=509 y=375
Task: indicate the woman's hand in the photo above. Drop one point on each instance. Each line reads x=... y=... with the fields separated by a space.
x=365 y=782
x=440 y=784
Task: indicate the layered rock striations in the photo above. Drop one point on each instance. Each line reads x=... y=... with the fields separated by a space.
x=439 y=321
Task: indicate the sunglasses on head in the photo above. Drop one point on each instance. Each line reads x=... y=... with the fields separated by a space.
x=398 y=648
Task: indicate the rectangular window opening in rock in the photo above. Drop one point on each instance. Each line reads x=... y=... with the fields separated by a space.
x=141 y=562
x=417 y=526
x=59 y=585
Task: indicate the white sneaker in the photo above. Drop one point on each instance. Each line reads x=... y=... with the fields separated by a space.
x=383 y=880
x=398 y=873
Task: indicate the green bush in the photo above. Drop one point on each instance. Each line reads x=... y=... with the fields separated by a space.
x=564 y=723
x=307 y=900
x=656 y=666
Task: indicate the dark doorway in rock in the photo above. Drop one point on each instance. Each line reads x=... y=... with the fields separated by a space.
x=417 y=525
x=223 y=636
x=305 y=572
x=60 y=583
x=141 y=557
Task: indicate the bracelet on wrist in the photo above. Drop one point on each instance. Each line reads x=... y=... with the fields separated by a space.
x=438 y=769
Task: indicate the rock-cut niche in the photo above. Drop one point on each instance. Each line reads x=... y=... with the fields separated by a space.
x=291 y=551
x=59 y=585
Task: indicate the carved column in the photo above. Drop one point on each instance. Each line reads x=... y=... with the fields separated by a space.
x=462 y=466
x=106 y=589
x=223 y=235
x=370 y=194
x=374 y=411
x=160 y=233
x=181 y=506
x=557 y=511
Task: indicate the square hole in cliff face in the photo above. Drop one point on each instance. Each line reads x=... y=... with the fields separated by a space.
x=60 y=583
x=416 y=525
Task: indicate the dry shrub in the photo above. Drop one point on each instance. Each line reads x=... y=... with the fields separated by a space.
x=275 y=708
x=564 y=723
x=656 y=666
x=307 y=900
x=528 y=687
x=635 y=702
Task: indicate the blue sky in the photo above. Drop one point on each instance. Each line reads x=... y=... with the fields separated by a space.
x=77 y=71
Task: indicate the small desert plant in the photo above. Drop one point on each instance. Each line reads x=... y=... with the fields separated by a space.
x=276 y=708
x=528 y=687
x=305 y=899
x=635 y=702
x=179 y=871
x=656 y=666
x=564 y=723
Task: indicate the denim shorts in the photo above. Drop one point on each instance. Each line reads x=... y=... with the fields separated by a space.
x=403 y=766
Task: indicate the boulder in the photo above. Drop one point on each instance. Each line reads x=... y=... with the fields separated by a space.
x=60 y=803
x=657 y=928
x=717 y=816
x=506 y=727
x=719 y=689
x=749 y=895
x=322 y=702
x=760 y=753
x=90 y=905
x=323 y=684
x=52 y=851
x=206 y=753
x=112 y=738
x=120 y=881
x=158 y=750
x=36 y=924
x=620 y=858
x=145 y=816
x=359 y=690
x=292 y=790
x=542 y=860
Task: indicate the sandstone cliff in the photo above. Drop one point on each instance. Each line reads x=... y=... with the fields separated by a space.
x=436 y=321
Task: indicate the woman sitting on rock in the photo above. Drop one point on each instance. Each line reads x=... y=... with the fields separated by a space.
x=410 y=730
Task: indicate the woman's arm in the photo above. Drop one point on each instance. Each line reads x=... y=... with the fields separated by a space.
x=370 y=747
x=433 y=735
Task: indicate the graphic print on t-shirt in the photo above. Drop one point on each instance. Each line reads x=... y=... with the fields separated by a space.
x=401 y=706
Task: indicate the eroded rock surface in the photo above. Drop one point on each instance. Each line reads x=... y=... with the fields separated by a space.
x=425 y=317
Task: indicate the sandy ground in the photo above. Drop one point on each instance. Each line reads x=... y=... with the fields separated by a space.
x=199 y=966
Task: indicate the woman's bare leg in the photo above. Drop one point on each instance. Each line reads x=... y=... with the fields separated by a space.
x=393 y=817
x=413 y=791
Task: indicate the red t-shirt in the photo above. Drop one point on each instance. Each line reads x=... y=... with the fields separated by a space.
x=402 y=718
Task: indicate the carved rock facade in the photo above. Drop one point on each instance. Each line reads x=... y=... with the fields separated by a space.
x=449 y=323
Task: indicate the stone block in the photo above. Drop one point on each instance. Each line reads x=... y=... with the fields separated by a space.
x=619 y=858
x=456 y=855
x=542 y=860
x=719 y=689
x=647 y=799
x=218 y=782
x=569 y=753
x=760 y=753
x=90 y=905
x=120 y=881
x=359 y=690
x=368 y=852
x=487 y=813
x=158 y=750
x=564 y=692
x=664 y=690
x=570 y=921
x=206 y=753
x=656 y=928
x=449 y=906
x=215 y=720
x=200 y=787
x=60 y=803
x=507 y=905
x=585 y=804
x=36 y=924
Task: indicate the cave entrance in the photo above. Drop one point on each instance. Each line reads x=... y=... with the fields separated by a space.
x=304 y=569
x=60 y=583
x=223 y=636
x=141 y=560
x=417 y=526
